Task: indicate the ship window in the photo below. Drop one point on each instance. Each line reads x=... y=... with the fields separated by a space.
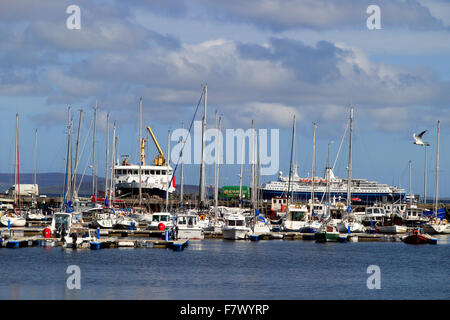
x=163 y=172
x=146 y=172
x=239 y=222
x=231 y=223
x=158 y=172
x=152 y=172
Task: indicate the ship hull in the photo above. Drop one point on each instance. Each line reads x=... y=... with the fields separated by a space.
x=366 y=198
x=129 y=189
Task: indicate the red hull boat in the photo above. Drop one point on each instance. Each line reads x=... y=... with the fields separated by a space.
x=418 y=238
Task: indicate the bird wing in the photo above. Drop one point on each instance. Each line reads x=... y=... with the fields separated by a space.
x=421 y=134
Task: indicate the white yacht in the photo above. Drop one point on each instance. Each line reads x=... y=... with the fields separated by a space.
x=13 y=219
x=295 y=218
x=236 y=227
x=187 y=227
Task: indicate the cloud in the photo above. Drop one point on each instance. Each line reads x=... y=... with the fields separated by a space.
x=280 y=15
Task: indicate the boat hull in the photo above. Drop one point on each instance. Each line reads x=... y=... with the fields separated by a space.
x=14 y=221
x=327 y=236
x=190 y=233
x=235 y=233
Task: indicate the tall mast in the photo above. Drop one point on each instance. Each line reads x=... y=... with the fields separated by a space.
x=94 y=191
x=140 y=153
x=107 y=156
x=253 y=158
x=313 y=168
x=35 y=165
x=290 y=163
x=167 y=172
x=113 y=165
x=410 y=184
x=241 y=173
x=216 y=177
x=17 y=175
x=74 y=180
x=182 y=170
x=425 y=176
x=202 y=165
x=349 y=178
x=436 y=188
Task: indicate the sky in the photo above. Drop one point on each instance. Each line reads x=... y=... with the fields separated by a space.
x=264 y=60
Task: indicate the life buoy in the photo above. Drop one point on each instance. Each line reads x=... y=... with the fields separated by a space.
x=161 y=226
x=47 y=233
x=202 y=217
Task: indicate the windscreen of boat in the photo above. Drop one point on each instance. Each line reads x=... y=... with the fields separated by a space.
x=158 y=218
x=297 y=216
x=62 y=221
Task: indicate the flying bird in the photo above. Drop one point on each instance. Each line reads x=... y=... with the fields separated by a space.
x=418 y=139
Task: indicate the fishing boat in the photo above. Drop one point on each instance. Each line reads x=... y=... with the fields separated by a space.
x=161 y=221
x=187 y=227
x=418 y=238
x=373 y=216
x=236 y=227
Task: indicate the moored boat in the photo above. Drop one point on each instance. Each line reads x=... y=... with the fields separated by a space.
x=418 y=238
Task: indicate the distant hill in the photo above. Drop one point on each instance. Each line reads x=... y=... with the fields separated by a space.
x=50 y=183
x=53 y=183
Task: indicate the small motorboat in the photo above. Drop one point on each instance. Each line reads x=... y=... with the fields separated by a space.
x=418 y=238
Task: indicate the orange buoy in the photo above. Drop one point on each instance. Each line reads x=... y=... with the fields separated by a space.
x=47 y=233
x=161 y=226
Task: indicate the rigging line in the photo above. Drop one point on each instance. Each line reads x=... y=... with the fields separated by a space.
x=82 y=149
x=340 y=146
x=184 y=142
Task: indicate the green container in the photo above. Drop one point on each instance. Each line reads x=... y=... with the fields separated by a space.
x=232 y=192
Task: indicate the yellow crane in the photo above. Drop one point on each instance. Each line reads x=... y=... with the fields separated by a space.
x=160 y=159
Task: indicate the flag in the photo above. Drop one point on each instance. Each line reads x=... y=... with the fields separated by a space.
x=106 y=201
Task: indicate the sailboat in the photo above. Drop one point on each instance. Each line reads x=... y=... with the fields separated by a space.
x=438 y=224
x=15 y=218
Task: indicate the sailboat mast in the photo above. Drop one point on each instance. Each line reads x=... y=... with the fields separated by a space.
x=313 y=167
x=290 y=163
x=241 y=172
x=167 y=172
x=216 y=178
x=350 y=146
x=436 y=188
x=113 y=165
x=182 y=172
x=410 y=184
x=35 y=165
x=17 y=163
x=94 y=193
x=425 y=176
x=253 y=159
x=140 y=152
x=202 y=165
x=107 y=156
x=74 y=180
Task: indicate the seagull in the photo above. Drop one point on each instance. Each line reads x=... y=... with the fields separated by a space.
x=418 y=139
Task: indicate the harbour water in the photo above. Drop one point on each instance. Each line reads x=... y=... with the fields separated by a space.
x=220 y=269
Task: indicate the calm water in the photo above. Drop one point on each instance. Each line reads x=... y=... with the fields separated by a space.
x=217 y=269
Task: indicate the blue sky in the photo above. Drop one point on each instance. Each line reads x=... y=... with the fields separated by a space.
x=264 y=60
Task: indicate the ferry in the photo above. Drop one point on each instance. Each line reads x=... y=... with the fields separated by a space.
x=363 y=192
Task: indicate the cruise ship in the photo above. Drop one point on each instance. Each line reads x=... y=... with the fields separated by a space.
x=362 y=190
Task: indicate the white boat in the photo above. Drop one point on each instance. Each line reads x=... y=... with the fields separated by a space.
x=261 y=226
x=161 y=218
x=354 y=224
x=436 y=226
x=125 y=223
x=61 y=221
x=14 y=220
x=187 y=227
x=372 y=216
x=414 y=217
x=392 y=229
x=295 y=219
x=235 y=227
